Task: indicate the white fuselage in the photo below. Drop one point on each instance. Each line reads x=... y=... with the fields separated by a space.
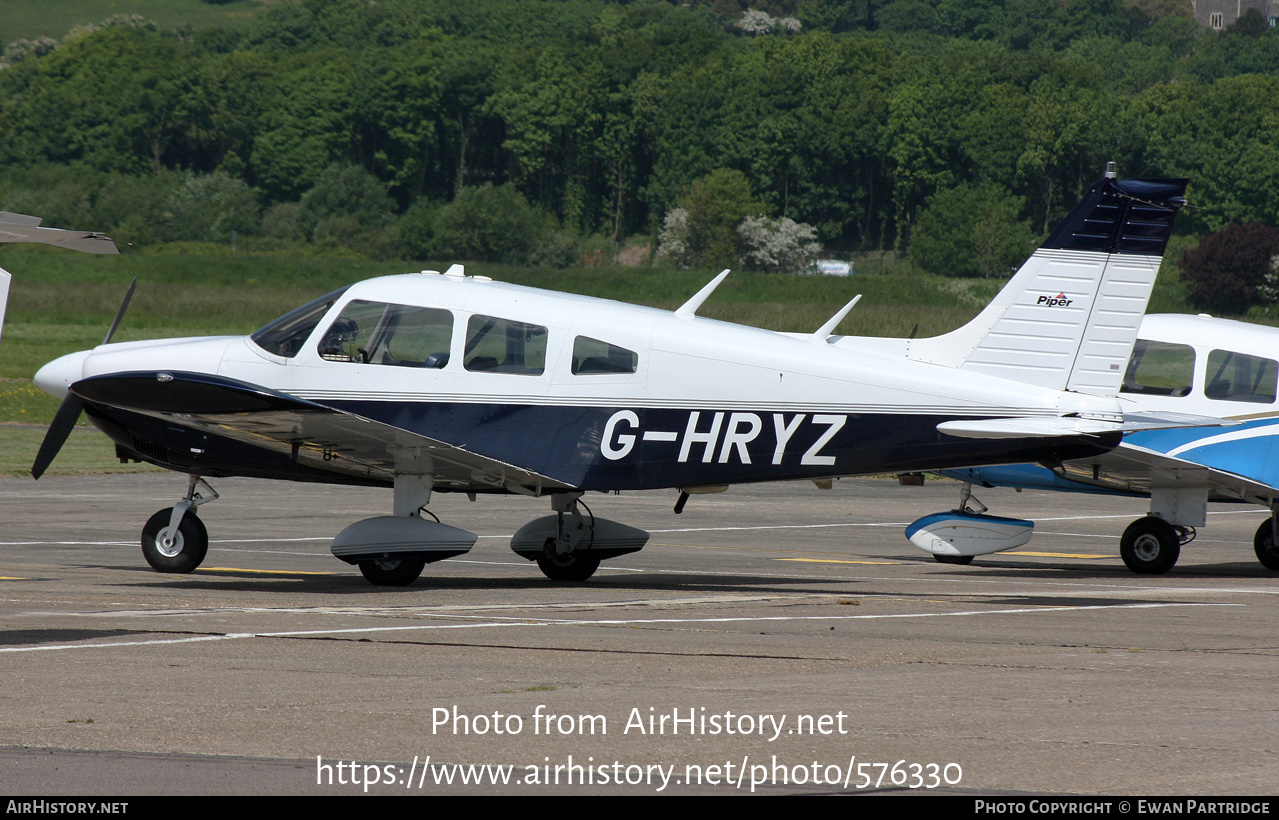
x=696 y=391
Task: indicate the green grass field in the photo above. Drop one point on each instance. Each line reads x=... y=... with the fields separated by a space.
x=86 y=451
x=29 y=19
x=61 y=302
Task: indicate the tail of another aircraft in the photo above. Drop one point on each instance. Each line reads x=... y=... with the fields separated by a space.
x=1069 y=317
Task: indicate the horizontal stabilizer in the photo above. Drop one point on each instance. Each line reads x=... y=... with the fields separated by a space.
x=1055 y=426
x=1032 y=427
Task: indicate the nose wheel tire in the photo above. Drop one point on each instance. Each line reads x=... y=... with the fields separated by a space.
x=575 y=566
x=392 y=572
x=190 y=543
x=953 y=559
x=1264 y=545
x=1150 y=546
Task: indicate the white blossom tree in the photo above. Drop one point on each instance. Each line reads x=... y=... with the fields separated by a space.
x=673 y=246
x=756 y=22
x=778 y=245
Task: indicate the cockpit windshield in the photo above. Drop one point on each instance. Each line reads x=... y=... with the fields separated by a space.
x=286 y=335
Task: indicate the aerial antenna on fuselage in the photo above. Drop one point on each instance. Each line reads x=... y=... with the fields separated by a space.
x=823 y=333
x=689 y=309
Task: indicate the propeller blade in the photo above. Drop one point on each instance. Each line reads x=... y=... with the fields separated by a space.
x=119 y=314
x=63 y=422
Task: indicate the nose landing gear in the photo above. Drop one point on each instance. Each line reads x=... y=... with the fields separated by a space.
x=175 y=539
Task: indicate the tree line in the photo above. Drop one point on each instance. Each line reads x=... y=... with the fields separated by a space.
x=534 y=130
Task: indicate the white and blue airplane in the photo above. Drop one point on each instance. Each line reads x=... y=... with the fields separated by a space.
x=1181 y=363
x=442 y=382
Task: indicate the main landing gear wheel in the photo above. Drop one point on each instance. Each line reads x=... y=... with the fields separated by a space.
x=392 y=572
x=190 y=543
x=1150 y=546
x=953 y=559
x=575 y=566
x=1264 y=545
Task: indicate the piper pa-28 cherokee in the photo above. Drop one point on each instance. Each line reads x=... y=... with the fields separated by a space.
x=1189 y=364
x=433 y=382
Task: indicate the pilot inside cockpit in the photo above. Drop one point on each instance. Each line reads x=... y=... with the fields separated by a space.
x=339 y=341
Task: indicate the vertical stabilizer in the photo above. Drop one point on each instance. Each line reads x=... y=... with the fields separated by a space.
x=1069 y=317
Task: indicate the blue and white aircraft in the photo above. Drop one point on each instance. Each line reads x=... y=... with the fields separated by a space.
x=1187 y=364
x=442 y=382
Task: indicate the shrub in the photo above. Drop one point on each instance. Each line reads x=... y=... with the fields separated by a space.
x=209 y=207
x=1229 y=269
x=346 y=199
x=971 y=231
x=488 y=223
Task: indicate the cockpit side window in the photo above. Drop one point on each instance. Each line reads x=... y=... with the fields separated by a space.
x=381 y=333
x=496 y=345
x=592 y=356
x=286 y=335
x=1240 y=377
x=1160 y=369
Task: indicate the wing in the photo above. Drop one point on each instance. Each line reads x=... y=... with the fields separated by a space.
x=310 y=434
x=1235 y=463
x=22 y=228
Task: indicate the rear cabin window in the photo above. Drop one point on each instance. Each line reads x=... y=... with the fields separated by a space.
x=1240 y=377
x=496 y=345
x=592 y=356
x=1160 y=369
x=381 y=333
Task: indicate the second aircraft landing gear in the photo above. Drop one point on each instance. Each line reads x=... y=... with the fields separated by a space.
x=1151 y=546
x=965 y=495
x=1264 y=543
x=1178 y=504
x=956 y=536
x=175 y=539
